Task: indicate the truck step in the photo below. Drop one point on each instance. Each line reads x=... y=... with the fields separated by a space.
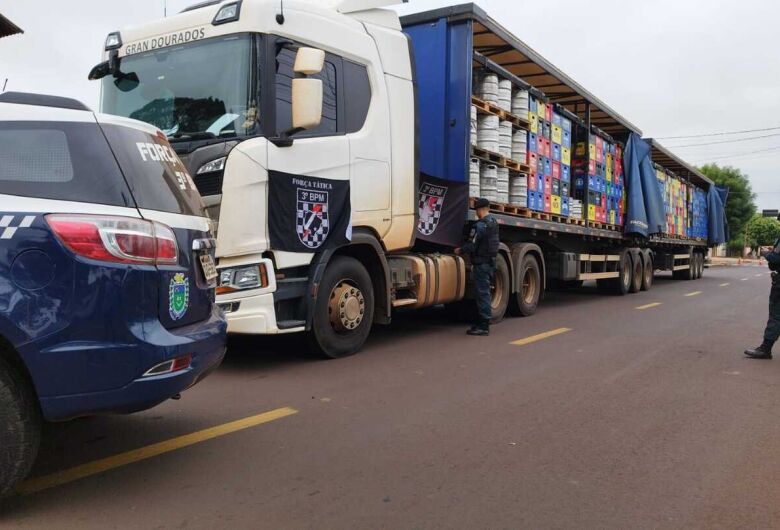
x=403 y=302
x=289 y=324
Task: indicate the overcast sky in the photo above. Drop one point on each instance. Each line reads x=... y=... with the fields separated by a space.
x=671 y=67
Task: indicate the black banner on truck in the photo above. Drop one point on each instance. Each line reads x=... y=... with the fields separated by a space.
x=442 y=206
x=308 y=214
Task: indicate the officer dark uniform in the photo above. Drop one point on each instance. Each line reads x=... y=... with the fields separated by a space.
x=772 y=331
x=482 y=245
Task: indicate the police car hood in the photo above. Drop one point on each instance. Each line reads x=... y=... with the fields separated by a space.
x=243 y=217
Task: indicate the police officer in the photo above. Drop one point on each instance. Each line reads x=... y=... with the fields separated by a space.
x=772 y=331
x=482 y=245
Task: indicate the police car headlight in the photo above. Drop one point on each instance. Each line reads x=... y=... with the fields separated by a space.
x=242 y=278
x=227 y=13
x=211 y=167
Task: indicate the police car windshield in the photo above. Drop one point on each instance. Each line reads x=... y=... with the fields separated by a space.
x=193 y=91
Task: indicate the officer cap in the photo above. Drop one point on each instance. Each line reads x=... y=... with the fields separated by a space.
x=482 y=203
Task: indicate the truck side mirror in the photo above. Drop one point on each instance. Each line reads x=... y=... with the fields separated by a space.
x=309 y=61
x=306 y=103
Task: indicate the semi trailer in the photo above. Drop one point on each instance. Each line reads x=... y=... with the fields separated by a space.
x=333 y=145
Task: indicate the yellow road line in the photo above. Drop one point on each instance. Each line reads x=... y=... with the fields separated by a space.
x=136 y=455
x=744 y=279
x=757 y=275
x=540 y=336
x=694 y=293
x=648 y=306
x=725 y=284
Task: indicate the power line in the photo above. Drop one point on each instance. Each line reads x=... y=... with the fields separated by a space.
x=736 y=155
x=726 y=141
x=717 y=133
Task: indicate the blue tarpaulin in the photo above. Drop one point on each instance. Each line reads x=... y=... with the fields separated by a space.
x=645 y=213
x=717 y=226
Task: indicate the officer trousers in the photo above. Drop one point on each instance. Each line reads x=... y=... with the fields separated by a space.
x=483 y=275
x=772 y=331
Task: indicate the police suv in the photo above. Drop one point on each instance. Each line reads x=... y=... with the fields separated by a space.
x=106 y=271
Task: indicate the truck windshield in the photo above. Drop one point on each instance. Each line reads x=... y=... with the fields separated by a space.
x=193 y=91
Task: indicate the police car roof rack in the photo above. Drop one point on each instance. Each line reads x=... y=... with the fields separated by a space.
x=42 y=100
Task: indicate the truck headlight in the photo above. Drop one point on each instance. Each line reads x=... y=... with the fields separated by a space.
x=211 y=167
x=242 y=278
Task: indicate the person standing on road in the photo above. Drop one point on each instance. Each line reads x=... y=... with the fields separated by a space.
x=772 y=331
x=482 y=245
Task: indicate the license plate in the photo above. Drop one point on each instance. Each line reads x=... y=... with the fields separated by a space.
x=207 y=264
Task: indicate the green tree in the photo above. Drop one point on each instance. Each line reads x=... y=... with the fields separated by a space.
x=741 y=206
x=762 y=231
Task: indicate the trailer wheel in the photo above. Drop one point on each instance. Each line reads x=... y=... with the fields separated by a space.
x=649 y=272
x=344 y=311
x=500 y=290
x=529 y=289
x=637 y=272
x=20 y=427
x=701 y=265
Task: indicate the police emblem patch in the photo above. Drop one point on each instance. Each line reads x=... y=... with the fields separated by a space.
x=178 y=296
x=312 y=223
x=429 y=206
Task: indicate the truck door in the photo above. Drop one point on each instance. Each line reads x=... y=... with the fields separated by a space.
x=319 y=152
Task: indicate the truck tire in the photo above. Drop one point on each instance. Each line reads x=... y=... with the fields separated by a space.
x=500 y=290
x=637 y=272
x=344 y=311
x=529 y=289
x=649 y=273
x=622 y=284
x=20 y=427
x=701 y=265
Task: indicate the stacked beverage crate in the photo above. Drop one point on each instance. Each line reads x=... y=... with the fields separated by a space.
x=549 y=157
x=675 y=193
x=598 y=173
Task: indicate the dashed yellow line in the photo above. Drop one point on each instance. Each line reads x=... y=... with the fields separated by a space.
x=744 y=279
x=648 y=306
x=540 y=336
x=136 y=455
x=725 y=284
x=694 y=293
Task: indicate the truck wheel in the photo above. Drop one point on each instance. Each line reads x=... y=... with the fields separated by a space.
x=529 y=290
x=701 y=265
x=622 y=284
x=500 y=290
x=20 y=427
x=637 y=272
x=649 y=272
x=344 y=309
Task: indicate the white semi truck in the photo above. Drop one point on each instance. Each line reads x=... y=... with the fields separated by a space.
x=330 y=140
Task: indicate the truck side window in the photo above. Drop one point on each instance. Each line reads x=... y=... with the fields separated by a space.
x=357 y=95
x=285 y=60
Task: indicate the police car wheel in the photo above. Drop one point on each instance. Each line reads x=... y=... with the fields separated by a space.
x=529 y=289
x=648 y=276
x=344 y=310
x=499 y=291
x=20 y=427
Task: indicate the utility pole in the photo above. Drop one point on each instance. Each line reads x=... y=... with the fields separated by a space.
x=5 y=84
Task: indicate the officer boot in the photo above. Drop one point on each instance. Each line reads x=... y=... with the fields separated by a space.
x=480 y=330
x=762 y=352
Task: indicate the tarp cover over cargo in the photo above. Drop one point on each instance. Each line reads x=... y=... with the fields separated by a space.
x=645 y=207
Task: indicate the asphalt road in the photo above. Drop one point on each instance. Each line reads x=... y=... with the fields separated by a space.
x=633 y=418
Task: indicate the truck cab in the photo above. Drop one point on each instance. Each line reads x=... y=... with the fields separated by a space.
x=249 y=90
